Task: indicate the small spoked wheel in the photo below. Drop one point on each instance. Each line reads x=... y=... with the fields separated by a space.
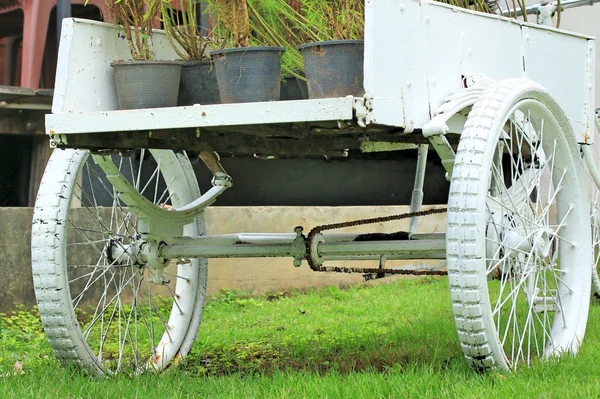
x=101 y=305
x=518 y=241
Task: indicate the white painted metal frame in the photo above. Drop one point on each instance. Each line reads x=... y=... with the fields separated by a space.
x=334 y=247
x=416 y=54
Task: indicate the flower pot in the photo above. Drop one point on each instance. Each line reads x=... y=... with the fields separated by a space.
x=248 y=74
x=198 y=84
x=334 y=68
x=293 y=89
x=146 y=84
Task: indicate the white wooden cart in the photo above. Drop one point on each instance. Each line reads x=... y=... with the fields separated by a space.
x=506 y=105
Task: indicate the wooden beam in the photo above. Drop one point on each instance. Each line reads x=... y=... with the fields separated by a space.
x=22 y=121
x=40 y=153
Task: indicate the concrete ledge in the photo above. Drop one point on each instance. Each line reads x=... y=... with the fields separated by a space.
x=252 y=275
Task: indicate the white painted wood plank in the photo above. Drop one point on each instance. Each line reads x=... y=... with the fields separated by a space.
x=329 y=109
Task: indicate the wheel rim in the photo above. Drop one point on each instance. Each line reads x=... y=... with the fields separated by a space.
x=595 y=221
x=528 y=247
x=124 y=320
x=525 y=277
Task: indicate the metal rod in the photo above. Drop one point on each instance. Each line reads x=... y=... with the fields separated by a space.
x=440 y=255
x=417 y=195
x=588 y=156
x=63 y=10
x=494 y=7
x=239 y=238
x=229 y=251
x=407 y=249
x=281 y=238
x=336 y=246
x=533 y=9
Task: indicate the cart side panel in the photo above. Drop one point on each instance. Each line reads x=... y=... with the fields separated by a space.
x=462 y=43
x=564 y=65
x=417 y=53
x=394 y=62
x=84 y=79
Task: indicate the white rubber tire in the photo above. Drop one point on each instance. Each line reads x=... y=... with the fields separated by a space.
x=595 y=217
x=53 y=235
x=520 y=282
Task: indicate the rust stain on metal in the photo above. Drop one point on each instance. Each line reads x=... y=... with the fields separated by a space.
x=154 y=359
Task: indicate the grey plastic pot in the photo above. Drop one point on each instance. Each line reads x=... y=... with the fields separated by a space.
x=198 y=84
x=293 y=89
x=248 y=74
x=146 y=84
x=334 y=68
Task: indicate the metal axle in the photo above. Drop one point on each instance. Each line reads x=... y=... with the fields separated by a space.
x=333 y=247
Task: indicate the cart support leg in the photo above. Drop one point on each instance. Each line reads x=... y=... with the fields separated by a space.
x=417 y=195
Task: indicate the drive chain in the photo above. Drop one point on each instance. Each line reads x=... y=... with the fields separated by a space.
x=319 y=229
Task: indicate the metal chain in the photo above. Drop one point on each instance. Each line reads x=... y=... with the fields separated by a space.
x=336 y=269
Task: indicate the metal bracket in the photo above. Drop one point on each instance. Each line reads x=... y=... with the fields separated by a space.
x=436 y=129
x=362 y=111
x=151 y=253
x=145 y=209
x=299 y=244
x=545 y=12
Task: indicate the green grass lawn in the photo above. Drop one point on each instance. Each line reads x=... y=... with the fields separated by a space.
x=396 y=340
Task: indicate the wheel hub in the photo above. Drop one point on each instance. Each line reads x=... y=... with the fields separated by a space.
x=537 y=243
x=119 y=253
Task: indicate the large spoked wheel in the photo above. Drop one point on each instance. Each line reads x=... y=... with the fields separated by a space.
x=595 y=217
x=100 y=305
x=518 y=235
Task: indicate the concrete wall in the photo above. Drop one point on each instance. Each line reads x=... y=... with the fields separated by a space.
x=252 y=275
x=15 y=267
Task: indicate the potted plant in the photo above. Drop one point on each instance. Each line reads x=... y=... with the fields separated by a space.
x=142 y=82
x=334 y=63
x=246 y=71
x=278 y=23
x=181 y=22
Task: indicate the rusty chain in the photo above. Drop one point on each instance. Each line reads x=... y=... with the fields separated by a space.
x=336 y=269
